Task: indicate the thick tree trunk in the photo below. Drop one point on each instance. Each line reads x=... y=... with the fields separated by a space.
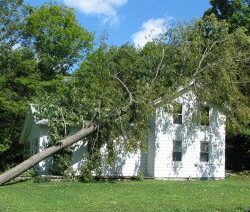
x=27 y=164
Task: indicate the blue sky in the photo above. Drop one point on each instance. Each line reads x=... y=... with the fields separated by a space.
x=135 y=21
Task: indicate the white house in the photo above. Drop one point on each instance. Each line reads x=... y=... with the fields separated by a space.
x=178 y=146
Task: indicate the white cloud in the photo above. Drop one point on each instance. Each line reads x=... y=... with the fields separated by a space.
x=107 y=9
x=150 y=30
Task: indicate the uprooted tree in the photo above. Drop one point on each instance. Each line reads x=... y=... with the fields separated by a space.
x=113 y=92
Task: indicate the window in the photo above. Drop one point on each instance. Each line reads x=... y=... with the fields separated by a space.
x=34 y=146
x=204 y=115
x=177 y=113
x=204 y=153
x=177 y=150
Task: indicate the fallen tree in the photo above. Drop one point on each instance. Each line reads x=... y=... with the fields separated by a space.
x=30 y=162
x=116 y=87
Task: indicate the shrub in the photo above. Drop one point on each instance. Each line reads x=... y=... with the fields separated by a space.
x=139 y=177
x=61 y=162
x=91 y=168
x=33 y=172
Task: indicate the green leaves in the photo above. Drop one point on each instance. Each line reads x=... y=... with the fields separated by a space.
x=38 y=46
x=235 y=12
x=57 y=38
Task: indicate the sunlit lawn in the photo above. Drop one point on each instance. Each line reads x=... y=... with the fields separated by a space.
x=232 y=194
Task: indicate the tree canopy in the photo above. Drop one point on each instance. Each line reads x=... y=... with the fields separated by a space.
x=236 y=12
x=57 y=39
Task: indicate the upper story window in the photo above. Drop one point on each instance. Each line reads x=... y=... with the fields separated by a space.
x=177 y=113
x=204 y=116
x=177 y=150
x=204 y=151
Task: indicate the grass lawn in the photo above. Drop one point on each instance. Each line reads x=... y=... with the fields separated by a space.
x=232 y=194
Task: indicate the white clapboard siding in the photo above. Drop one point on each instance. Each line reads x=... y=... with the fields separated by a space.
x=127 y=164
x=79 y=152
x=39 y=134
x=191 y=135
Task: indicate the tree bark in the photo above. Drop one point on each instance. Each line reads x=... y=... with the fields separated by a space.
x=30 y=162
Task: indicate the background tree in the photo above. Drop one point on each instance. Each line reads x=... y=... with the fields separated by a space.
x=57 y=39
x=237 y=14
x=12 y=14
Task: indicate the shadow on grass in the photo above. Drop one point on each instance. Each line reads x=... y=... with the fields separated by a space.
x=13 y=182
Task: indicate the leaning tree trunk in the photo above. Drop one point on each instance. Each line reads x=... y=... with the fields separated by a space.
x=30 y=162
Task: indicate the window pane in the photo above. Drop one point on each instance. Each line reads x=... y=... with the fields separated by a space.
x=177 y=146
x=204 y=157
x=178 y=108
x=177 y=119
x=204 y=151
x=177 y=156
x=204 y=147
x=177 y=150
x=205 y=116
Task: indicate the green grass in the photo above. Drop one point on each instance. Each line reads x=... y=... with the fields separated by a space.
x=232 y=194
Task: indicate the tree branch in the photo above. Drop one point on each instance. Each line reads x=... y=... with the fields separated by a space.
x=131 y=98
x=206 y=66
x=159 y=65
x=203 y=57
x=64 y=122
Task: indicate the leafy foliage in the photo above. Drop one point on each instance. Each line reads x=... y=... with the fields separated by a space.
x=12 y=14
x=61 y=162
x=236 y=12
x=116 y=87
x=57 y=38
x=28 y=66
